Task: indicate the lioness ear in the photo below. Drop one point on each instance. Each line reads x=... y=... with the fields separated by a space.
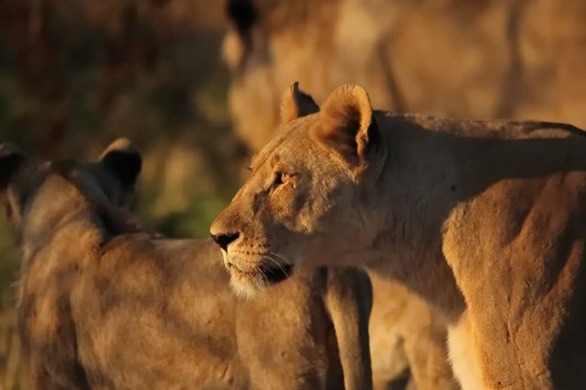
x=296 y=103
x=11 y=159
x=123 y=161
x=346 y=123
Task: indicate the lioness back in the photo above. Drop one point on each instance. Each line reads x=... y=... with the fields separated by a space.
x=107 y=303
x=177 y=293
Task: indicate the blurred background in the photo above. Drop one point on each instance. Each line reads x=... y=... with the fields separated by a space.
x=75 y=74
x=196 y=84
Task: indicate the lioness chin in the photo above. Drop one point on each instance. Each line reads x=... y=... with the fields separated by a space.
x=107 y=304
x=486 y=220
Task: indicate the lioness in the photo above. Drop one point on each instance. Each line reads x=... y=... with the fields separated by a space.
x=485 y=220
x=105 y=303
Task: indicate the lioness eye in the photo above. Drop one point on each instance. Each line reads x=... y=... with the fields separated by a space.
x=279 y=178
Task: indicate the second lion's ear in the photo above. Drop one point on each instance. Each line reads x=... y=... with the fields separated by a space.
x=11 y=159
x=123 y=161
x=296 y=103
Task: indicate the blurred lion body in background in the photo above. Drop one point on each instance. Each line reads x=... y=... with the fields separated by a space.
x=481 y=59
x=106 y=303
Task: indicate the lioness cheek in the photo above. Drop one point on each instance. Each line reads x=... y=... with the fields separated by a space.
x=283 y=206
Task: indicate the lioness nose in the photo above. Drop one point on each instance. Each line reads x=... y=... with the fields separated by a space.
x=224 y=239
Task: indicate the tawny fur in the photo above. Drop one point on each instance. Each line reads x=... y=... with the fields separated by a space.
x=485 y=220
x=106 y=303
x=405 y=334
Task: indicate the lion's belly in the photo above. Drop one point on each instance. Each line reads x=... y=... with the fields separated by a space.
x=462 y=357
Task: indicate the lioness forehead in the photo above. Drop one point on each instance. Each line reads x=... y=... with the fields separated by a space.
x=39 y=174
x=65 y=168
x=62 y=175
x=290 y=140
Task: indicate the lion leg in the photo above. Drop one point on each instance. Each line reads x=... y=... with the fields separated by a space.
x=462 y=356
x=387 y=349
x=406 y=333
x=425 y=335
x=349 y=301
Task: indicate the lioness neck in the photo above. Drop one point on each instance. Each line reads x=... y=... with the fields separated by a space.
x=415 y=189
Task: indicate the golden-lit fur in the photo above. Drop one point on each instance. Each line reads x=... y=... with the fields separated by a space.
x=404 y=332
x=106 y=303
x=485 y=220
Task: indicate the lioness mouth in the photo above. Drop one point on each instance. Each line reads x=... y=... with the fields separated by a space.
x=276 y=273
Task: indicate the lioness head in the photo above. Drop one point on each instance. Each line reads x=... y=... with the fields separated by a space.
x=304 y=200
x=30 y=186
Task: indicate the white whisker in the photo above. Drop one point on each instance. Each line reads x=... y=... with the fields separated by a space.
x=281 y=256
x=258 y=270
x=278 y=264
